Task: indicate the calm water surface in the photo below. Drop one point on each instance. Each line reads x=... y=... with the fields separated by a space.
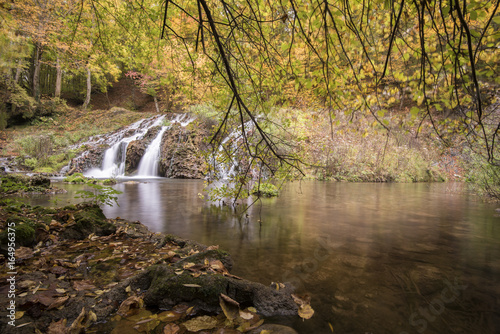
x=375 y=258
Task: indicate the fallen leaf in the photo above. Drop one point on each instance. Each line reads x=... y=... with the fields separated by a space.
x=130 y=305
x=246 y=315
x=188 y=265
x=26 y=284
x=23 y=253
x=57 y=327
x=171 y=329
x=83 y=321
x=306 y=311
x=200 y=323
x=230 y=307
x=19 y=315
x=213 y=247
x=192 y=285
x=301 y=299
x=83 y=285
x=58 y=302
x=169 y=316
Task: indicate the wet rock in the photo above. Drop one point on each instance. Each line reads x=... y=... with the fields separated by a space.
x=166 y=288
x=137 y=148
x=181 y=152
x=89 y=219
x=92 y=157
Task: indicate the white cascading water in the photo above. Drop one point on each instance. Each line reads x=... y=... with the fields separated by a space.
x=148 y=166
x=225 y=169
x=113 y=162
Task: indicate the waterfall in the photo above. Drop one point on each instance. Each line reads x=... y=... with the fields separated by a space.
x=148 y=166
x=149 y=161
x=113 y=162
x=225 y=167
x=114 y=158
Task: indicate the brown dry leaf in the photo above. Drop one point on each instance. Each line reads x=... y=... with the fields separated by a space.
x=130 y=305
x=306 y=311
x=23 y=253
x=213 y=247
x=171 y=329
x=301 y=299
x=83 y=285
x=58 y=302
x=26 y=284
x=83 y=321
x=58 y=327
x=200 y=323
x=230 y=307
x=192 y=285
x=218 y=266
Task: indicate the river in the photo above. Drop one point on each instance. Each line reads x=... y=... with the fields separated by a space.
x=375 y=258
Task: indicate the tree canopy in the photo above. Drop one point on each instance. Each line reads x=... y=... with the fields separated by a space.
x=433 y=60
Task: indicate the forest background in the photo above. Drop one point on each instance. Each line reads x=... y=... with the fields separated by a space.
x=365 y=90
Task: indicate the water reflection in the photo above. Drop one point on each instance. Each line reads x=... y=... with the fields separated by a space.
x=380 y=258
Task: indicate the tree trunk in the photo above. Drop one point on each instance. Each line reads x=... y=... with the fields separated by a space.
x=36 y=72
x=156 y=104
x=89 y=88
x=57 y=92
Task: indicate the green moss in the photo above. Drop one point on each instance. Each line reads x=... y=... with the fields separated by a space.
x=76 y=178
x=109 y=182
x=25 y=234
x=265 y=189
x=16 y=183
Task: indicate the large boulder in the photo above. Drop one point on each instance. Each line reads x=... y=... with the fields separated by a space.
x=182 y=152
x=137 y=148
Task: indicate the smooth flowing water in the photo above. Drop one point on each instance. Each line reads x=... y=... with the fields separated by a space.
x=375 y=258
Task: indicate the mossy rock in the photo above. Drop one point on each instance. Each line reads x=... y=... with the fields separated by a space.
x=264 y=189
x=25 y=235
x=76 y=178
x=88 y=219
x=109 y=182
x=17 y=183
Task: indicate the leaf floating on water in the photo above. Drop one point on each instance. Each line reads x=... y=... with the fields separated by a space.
x=306 y=311
x=200 y=323
x=331 y=327
x=192 y=285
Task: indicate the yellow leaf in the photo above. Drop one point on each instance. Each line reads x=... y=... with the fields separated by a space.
x=306 y=311
x=19 y=315
x=192 y=285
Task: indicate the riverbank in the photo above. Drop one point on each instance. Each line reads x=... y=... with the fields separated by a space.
x=74 y=268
